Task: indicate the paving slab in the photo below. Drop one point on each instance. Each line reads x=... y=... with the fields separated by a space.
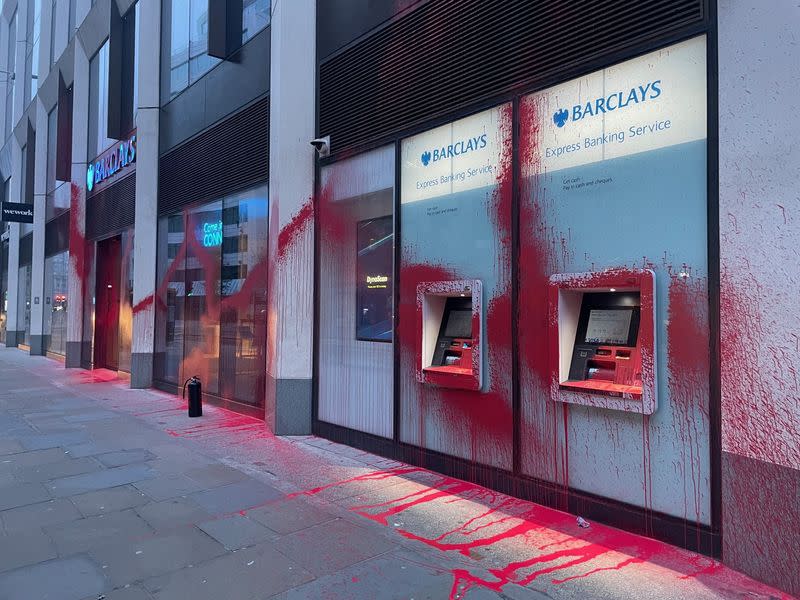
x=33 y=516
x=251 y=574
x=15 y=494
x=34 y=458
x=108 y=478
x=216 y=475
x=172 y=513
x=25 y=548
x=328 y=547
x=10 y=447
x=129 y=562
x=163 y=487
x=236 y=496
x=109 y=500
x=289 y=515
x=71 y=578
x=57 y=470
x=237 y=531
x=125 y=457
x=39 y=441
x=132 y=592
x=395 y=576
x=84 y=534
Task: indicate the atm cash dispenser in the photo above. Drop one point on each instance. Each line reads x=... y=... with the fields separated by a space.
x=604 y=339
x=450 y=322
x=605 y=357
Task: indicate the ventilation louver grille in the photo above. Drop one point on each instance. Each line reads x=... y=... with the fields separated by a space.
x=112 y=209
x=448 y=54
x=226 y=158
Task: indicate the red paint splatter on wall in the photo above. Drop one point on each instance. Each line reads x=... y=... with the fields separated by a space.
x=474 y=425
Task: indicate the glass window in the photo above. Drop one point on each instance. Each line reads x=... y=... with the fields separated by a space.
x=98 y=103
x=170 y=298
x=255 y=16
x=10 y=75
x=53 y=22
x=199 y=60
x=26 y=190
x=32 y=48
x=189 y=59
x=126 y=302
x=24 y=302
x=3 y=289
x=56 y=271
x=211 y=301
x=356 y=293
x=72 y=17
x=58 y=192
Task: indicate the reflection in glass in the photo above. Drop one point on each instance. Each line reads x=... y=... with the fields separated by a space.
x=255 y=16
x=98 y=103
x=56 y=270
x=126 y=301
x=211 y=297
x=24 y=302
x=3 y=289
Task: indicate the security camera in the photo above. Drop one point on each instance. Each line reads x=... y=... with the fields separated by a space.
x=322 y=146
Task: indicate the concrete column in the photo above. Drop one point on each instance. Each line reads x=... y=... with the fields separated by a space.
x=291 y=247
x=38 y=342
x=146 y=217
x=79 y=256
x=15 y=329
x=759 y=226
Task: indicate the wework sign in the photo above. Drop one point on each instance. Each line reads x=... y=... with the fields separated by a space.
x=17 y=213
x=112 y=163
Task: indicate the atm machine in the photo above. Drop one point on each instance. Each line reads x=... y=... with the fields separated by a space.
x=605 y=356
x=449 y=314
x=603 y=339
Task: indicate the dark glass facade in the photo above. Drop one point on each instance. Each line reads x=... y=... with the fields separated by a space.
x=3 y=290
x=211 y=297
x=56 y=272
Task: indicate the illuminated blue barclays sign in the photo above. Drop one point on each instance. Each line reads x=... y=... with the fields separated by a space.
x=453 y=150
x=111 y=162
x=212 y=234
x=612 y=102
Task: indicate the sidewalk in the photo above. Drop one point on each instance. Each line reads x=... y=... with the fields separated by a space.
x=112 y=493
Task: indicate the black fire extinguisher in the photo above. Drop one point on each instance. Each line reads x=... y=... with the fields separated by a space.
x=195 y=396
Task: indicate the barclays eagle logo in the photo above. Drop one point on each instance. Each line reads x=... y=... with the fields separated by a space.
x=90 y=177
x=425 y=158
x=560 y=117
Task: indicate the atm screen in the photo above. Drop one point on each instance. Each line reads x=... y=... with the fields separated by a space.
x=608 y=326
x=459 y=324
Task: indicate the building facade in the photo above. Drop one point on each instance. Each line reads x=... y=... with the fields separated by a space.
x=540 y=247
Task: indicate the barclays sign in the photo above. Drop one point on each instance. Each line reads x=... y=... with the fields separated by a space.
x=113 y=161
x=453 y=150
x=614 y=101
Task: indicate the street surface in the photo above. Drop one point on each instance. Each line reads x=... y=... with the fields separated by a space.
x=115 y=494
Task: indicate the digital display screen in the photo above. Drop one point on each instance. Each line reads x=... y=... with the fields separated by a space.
x=608 y=326
x=459 y=324
x=374 y=286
